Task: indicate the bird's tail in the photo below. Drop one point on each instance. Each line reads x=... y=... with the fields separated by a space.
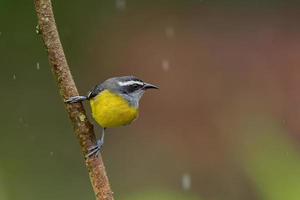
x=76 y=99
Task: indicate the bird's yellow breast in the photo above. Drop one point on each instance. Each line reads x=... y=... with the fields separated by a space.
x=112 y=110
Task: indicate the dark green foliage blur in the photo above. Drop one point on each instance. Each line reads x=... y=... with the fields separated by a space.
x=223 y=126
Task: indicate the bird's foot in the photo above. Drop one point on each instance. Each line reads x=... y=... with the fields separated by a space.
x=95 y=150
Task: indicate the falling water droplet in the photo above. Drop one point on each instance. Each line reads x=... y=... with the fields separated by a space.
x=21 y=120
x=121 y=4
x=14 y=77
x=165 y=64
x=51 y=153
x=169 y=31
x=38 y=66
x=186 y=181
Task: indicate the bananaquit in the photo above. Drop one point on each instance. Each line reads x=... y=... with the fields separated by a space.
x=115 y=102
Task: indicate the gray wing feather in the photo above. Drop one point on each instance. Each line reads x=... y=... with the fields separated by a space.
x=95 y=91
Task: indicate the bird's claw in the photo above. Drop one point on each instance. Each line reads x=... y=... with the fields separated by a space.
x=95 y=150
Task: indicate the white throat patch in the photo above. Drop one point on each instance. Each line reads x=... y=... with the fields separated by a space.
x=131 y=82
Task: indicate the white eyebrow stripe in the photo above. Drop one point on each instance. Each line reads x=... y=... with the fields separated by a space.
x=130 y=83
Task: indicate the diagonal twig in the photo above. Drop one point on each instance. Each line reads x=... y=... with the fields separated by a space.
x=82 y=127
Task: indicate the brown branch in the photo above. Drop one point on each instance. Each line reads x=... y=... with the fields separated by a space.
x=82 y=127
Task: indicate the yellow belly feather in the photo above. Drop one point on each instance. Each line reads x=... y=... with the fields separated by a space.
x=111 y=110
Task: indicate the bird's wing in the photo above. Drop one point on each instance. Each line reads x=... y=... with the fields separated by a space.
x=95 y=91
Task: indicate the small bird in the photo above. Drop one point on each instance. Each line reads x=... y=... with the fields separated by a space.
x=114 y=103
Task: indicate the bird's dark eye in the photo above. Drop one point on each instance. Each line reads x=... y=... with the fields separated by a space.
x=136 y=86
x=132 y=87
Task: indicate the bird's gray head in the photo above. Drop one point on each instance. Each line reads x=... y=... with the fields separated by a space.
x=130 y=87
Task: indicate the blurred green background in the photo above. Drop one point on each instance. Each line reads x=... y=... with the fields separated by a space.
x=223 y=126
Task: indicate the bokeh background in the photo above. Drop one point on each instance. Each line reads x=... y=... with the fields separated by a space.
x=223 y=126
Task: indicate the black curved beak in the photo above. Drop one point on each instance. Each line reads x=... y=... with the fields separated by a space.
x=149 y=86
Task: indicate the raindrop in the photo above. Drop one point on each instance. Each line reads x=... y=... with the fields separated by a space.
x=21 y=120
x=38 y=66
x=14 y=77
x=169 y=31
x=165 y=64
x=186 y=181
x=32 y=138
x=51 y=153
x=121 y=4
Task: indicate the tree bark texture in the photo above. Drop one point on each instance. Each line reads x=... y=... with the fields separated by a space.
x=82 y=127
